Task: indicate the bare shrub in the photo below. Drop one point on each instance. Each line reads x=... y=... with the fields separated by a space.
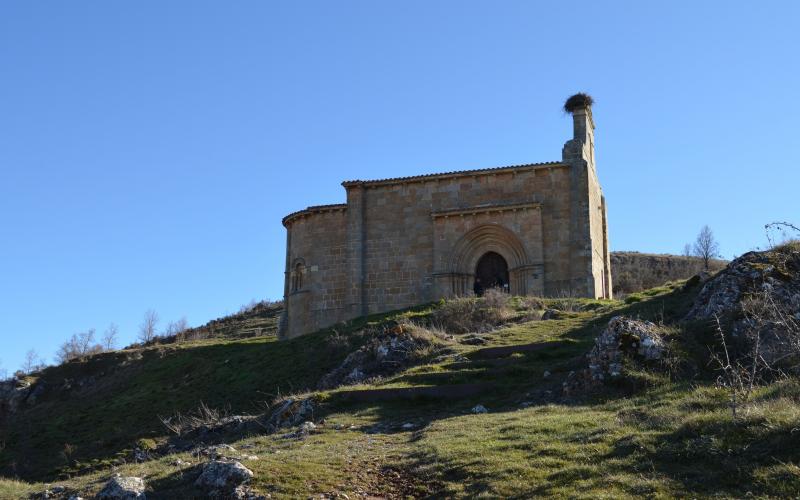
x=177 y=329
x=763 y=346
x=203 y=416
x=496 y=298
x=32 y=362
x=468 y=314
x=531 y=303
x=79 y=345
x=567 y=301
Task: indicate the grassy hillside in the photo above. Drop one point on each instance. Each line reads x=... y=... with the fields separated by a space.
x=633 y=272
x=657 y=432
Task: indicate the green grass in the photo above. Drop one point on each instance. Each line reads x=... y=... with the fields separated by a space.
x=657 y=434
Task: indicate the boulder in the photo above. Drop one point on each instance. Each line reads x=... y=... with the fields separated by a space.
x=775 y=272
x=390 y=349
x=622 y=338
x=123 y=488
x=224 y=478
x=757 y=299
x=291 y=412
x=551 y=314
x=479 y=409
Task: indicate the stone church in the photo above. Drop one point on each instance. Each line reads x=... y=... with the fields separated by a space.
x=534 y=229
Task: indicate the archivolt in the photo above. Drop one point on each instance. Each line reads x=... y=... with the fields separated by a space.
x=487 y=238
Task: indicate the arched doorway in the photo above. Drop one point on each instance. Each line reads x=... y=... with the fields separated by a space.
x=492 y=270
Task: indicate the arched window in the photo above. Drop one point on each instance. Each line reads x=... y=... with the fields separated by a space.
x=298 y=276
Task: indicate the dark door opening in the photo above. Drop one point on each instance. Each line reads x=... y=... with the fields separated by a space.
x=492 y=271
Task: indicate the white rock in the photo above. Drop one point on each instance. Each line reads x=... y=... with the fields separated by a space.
x=123 y=488
x=223 y=476
x=479 y=409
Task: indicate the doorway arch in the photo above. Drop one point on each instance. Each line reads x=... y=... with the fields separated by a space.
x=492 y=271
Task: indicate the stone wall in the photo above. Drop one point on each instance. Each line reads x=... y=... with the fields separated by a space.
x=316 y=271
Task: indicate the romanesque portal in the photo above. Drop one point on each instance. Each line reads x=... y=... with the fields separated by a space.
x=535 y=229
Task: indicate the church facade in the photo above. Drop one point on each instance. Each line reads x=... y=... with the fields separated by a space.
x=536 y=229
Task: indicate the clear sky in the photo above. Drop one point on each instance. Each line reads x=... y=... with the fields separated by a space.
x=149 y=149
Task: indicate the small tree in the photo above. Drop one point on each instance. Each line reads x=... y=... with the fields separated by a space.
x=110 y=337
x=79 y=345
x=705 y=246
x=147 y=330
x=177 y=328
x=32 y=362
x=687 y=250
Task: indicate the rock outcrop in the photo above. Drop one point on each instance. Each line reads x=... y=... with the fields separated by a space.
x=757 y=297
x=389 y=351
x=224 y=479
x=290 y=413
x=623 y=337
x=775 y=272
x=123 y=488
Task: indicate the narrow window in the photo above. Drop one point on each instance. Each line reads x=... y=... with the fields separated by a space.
x=298 y=276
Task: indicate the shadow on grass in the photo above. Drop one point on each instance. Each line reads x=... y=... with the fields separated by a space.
x=101 y=420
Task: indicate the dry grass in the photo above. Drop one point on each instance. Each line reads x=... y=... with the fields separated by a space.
x=473 y=315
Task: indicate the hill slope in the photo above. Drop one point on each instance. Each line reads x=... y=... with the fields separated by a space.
x=661 y=430
x=634 y=271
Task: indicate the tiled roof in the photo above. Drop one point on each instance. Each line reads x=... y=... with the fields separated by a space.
x=315 y=210
x=457 y=173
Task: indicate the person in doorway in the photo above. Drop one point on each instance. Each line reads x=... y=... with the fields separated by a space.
x=477 y=287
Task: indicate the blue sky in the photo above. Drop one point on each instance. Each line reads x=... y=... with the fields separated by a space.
x=149 y=149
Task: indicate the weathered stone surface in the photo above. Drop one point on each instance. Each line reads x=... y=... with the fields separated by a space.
x=388 y=351
x=221 y=478
x=291 y=412
x=123 y=488
x=773 y=272
x=400 y=242
x=757 y=298
x=622 y=338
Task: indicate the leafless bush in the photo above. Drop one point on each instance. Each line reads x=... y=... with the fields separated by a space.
x=567 y=301
x=766 y=345
x=32 y=362
x=67 y=452
x=788 y=233
x=79 y=345
x=531 y=303
x=468 y=314
x=177 y=329
x=203 y=416
x=737 y=377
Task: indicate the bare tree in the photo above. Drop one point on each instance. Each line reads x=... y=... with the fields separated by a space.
x=32 y=362
x=79 y=345
x=110 y=337
x=705 y=246
x=147 y=330
x=687 y=250
x=177 y=328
